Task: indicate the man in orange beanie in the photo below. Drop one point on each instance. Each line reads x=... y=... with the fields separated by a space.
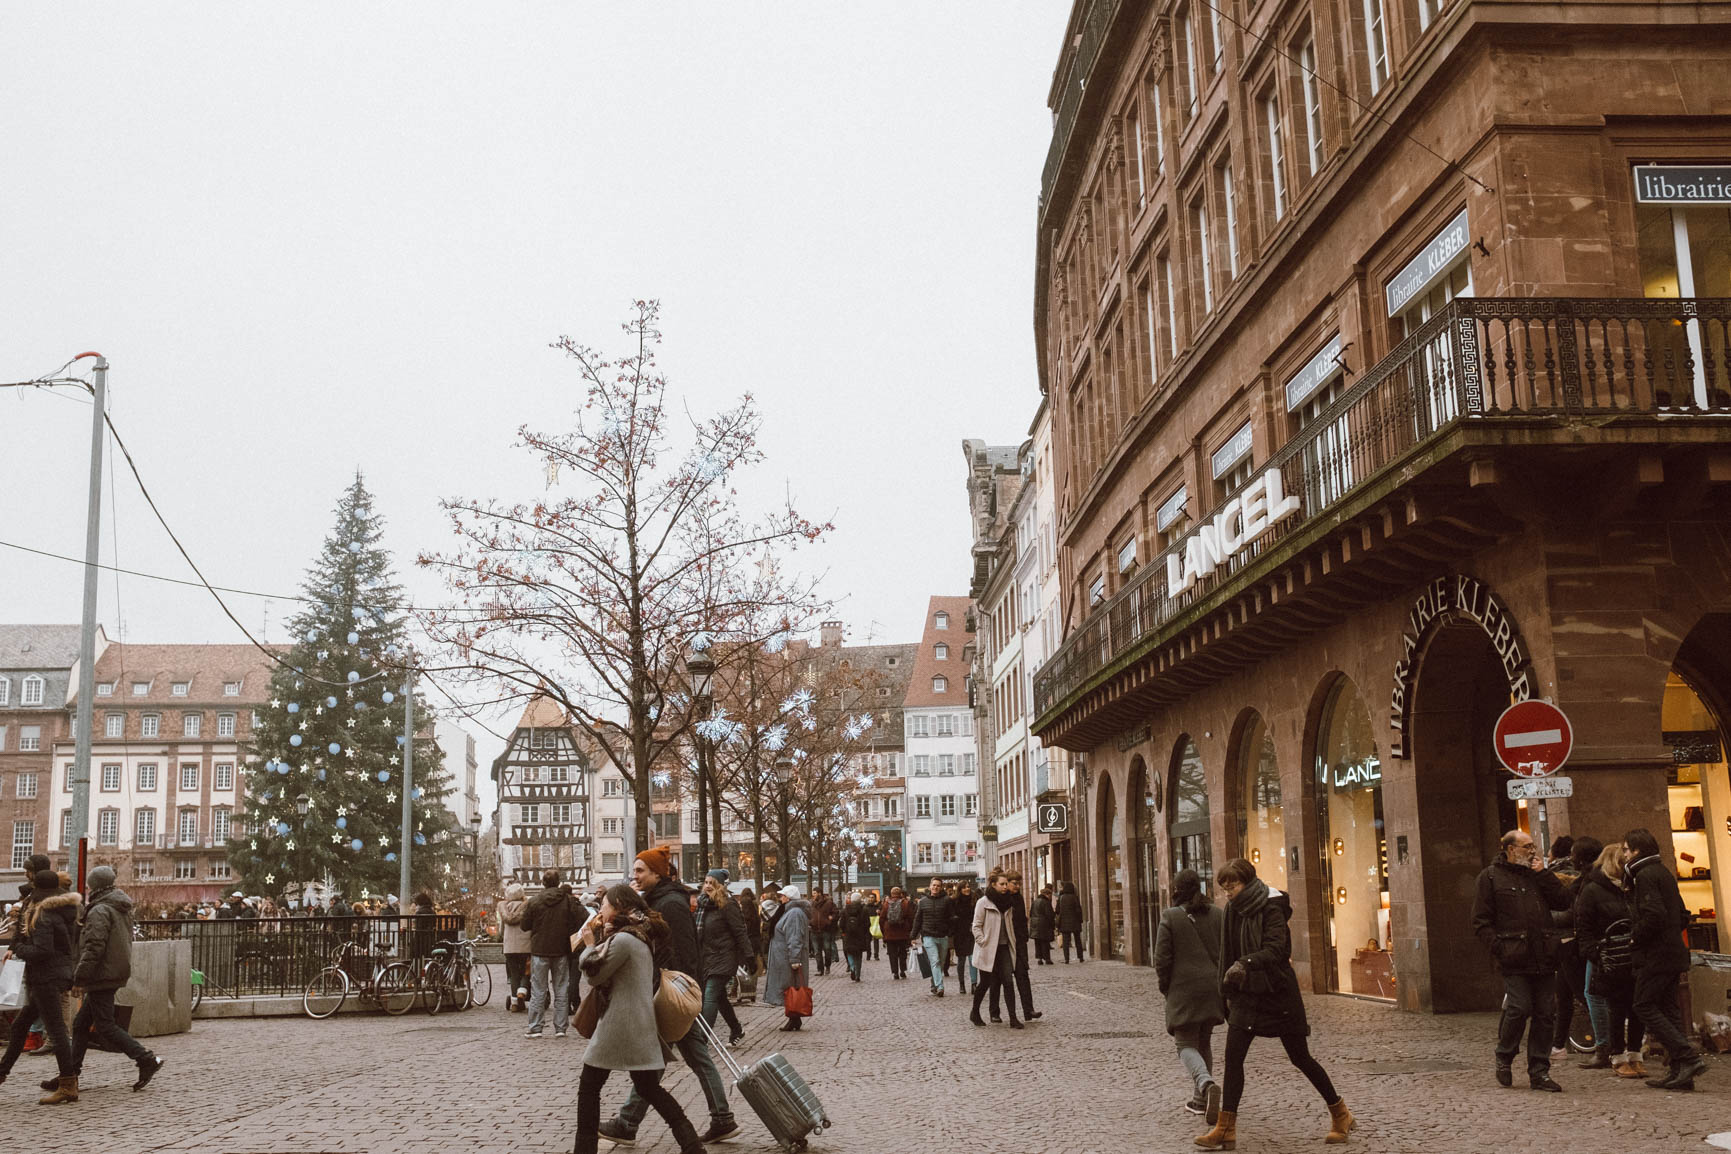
x=652 y=875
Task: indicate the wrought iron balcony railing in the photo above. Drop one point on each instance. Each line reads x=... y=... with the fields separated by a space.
x=1476 y=361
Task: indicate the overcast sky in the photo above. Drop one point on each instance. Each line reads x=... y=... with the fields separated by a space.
x=318 y=237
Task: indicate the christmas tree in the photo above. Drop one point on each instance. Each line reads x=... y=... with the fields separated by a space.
x=332 y=733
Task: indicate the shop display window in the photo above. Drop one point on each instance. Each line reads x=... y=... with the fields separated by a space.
x=1698 y=799
x=1188 y=830
x=1261 y=826
x=1354 y=847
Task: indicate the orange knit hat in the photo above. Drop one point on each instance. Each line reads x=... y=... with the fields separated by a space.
x=659 y=859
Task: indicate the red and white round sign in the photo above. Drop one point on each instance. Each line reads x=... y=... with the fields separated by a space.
x=1533 y=738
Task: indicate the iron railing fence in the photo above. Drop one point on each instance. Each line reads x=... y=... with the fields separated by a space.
x=276 y=956
x=1078 y=69
x=1476 y=360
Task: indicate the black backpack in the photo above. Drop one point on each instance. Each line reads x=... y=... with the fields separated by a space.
x=898 y=912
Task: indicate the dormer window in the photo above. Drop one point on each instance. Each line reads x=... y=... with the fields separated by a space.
x=940 y=684
x=941 y=652
x=942 y=621
x=179 y=688
x=231 y=689
x=105 y=689
x=140 y=688
x=32 y=694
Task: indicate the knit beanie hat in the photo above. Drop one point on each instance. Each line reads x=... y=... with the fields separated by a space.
x=659 y=859
x=46 y=881
x=100 y=878
x=719 y=875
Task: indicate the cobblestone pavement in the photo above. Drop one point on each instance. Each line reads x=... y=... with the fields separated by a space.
x=898 y=1070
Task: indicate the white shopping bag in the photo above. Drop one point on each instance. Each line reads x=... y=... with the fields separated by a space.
x=12 y=984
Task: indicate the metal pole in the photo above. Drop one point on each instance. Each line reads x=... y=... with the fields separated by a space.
x=80 y=824
x=703 y=802
x=408 y=838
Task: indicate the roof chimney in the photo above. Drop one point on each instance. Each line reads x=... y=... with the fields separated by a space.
x=829 y=633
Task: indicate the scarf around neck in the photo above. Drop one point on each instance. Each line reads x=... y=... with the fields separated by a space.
x=1250 y=900
x=1002 y=901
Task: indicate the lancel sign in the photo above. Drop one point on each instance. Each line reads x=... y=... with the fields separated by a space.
x=1257 y=508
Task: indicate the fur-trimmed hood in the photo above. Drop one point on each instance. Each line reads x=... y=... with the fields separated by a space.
x=57 y=901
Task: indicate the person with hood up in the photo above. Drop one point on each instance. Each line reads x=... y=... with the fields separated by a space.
x=1262 y=999
x=46 y=940
x=995 y=947
x=856 y=933
x=1659 y=956
x=1070 y=920
x=723 y=949
x=516 y=943
x=789 y=930
x=1187 y=965
x=104 y=964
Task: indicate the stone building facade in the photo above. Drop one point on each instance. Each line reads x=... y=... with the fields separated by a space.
x=1386 y=347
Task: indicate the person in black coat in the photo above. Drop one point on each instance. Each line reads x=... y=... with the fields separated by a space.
x=47 y=941
x=722 y=949
x=1512 y=917
x=1070 y=920
x=1023 y=986
x=1660 y=955
x=856 y=933
x=1262 y=998
x=962 y=934
x=1601 y=909
x=1043 y=924
x=551 y=917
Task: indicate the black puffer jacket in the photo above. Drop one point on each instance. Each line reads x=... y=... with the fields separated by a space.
x=1599 y=902
x=856 y=927
x=1267 y=1001
x=551 y=917
x=1043 y=920
x=722 y=944
x=932 y=917
x=1512 y=916
x=105 y=945
x=47 y=939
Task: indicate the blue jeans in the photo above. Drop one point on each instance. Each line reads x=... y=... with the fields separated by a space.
x=715 y=1001
x=695 y=1051
x=549 y=984
x=938 y=950
x=854 y=963
x=1600 y=1012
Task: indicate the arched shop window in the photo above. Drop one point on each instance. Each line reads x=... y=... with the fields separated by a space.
x=1262 y=829
x=1354 y=846
x=1188 y=829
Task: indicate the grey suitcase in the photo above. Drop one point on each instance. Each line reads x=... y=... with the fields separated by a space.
x=777 y=1094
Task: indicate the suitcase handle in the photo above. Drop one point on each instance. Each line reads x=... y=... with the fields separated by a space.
x=716 y=1044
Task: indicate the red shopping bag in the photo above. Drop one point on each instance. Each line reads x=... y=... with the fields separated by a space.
x=797 y=1000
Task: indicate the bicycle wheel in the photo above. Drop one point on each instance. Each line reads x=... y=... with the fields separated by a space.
x=460 y=988
x=197 y=989
x=433 y=980
x=480 y=984
x=394 y=989
x=324 y=995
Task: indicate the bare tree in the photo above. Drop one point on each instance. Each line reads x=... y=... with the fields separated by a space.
x=594 y=596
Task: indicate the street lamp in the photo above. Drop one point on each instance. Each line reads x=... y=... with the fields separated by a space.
x=701 y=667
x=474 y=852
x=303 y=803
x=784 y=776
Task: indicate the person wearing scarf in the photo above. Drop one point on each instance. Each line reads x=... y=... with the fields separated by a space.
x=995 y=948
x=1262 y=998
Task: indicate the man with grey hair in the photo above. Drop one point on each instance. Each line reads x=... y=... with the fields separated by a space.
x=104 y=964
x=1512 y=917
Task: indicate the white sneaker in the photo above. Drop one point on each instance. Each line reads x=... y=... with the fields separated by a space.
x=536 y=1034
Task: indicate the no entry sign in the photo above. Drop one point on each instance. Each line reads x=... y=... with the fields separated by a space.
x=1533 y=738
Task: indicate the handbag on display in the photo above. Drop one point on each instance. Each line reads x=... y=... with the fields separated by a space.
x=797 y=1000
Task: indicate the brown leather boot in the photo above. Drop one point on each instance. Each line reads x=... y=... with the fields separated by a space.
x=1224 y=1136
x=1600 y=1059
x=1340 y=1121
x=68 y=1092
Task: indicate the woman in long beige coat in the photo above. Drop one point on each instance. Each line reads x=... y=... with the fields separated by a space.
x=995 y=947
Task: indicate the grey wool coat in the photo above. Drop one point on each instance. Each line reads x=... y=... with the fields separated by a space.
x=1187 y=964
x=789 y=945
x=625 y=1037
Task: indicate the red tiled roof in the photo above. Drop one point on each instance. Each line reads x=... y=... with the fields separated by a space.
x=953 y=669
x=206 y=668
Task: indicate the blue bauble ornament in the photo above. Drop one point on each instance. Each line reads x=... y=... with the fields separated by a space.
x=418 y=793
x=356 y=845
x=342 y=823
x=294 y=739
x=354 y=638
x=312 y=635
x=330 y=703
x=384 y=775
x=333 y=749
x=420 y=839
x=282 y=767
x=399 y=741
x=360 y=707
x=354 y=547
x=281 y=828
x=353 y=677
x=321 y=775
x=390 y=857
x=294 y=707
x=388 y=697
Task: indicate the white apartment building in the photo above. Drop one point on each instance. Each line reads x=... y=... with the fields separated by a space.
x=614 y=825
x=458 y=746
x=171 y=724
x=942 y=805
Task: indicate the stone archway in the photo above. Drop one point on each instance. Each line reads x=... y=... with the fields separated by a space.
x=1459 y=691
x=1144 y=860
x=1109 y=930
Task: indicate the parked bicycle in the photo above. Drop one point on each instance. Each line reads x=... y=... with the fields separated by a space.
x=451 y=979
x=392 y=986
